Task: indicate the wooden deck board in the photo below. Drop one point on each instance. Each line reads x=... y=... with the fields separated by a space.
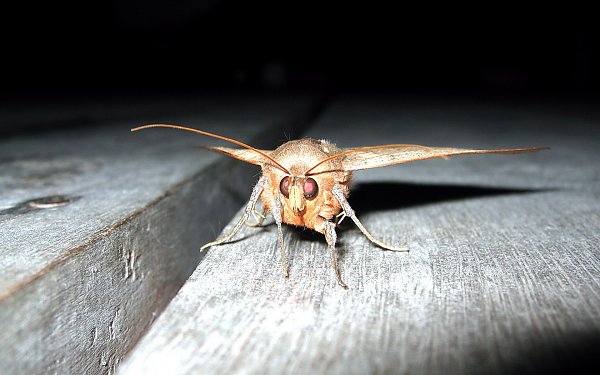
x=502 y=276
x=80 y=283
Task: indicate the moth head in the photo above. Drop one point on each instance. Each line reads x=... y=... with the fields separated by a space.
x=298 y=190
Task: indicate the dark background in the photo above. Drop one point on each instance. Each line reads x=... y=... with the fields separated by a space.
x=57 y=53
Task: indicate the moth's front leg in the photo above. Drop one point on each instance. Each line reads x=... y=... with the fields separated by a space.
x=258 y=188
x=331 y=237
x=258 y=220
x=338 y=193
x=276 y=207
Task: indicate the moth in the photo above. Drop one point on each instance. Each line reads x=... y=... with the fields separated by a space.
x=306 y=183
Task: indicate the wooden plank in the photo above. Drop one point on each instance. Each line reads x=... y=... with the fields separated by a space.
x=502 y=276
x=81 y=281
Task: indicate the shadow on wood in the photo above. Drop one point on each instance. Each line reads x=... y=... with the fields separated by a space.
x=575 y=353
x=383 y=196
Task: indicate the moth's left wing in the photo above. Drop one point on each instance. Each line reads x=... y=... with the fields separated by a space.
x=380 y=156
x=246 y=155
x=249 y=156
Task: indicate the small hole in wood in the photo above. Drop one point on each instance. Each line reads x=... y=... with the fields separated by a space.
x=50 y=202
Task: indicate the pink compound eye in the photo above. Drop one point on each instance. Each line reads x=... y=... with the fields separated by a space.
x=284 y=186
x=311 y=189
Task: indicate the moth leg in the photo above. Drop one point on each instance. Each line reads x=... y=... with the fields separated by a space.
x=259 y=220
x=338 y=193
x=258 y=188
x=340 y=217
x=331 y=237
x=276 y=211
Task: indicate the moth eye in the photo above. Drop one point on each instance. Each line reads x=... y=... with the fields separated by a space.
x=311 y=189
x=284 y=186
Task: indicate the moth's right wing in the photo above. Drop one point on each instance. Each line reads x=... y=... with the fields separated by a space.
x=381 y=156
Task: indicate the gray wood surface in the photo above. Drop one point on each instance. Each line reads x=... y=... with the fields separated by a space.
x=502 y=276
x=80 y=282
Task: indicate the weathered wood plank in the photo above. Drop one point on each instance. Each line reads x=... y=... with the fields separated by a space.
x=80 y=282
x=502 y=276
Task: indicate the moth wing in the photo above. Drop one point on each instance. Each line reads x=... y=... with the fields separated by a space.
x=249 y=156
x=381 y=156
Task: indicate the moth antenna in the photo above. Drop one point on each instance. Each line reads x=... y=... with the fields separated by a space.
x=344 y=153
x=230 y=140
